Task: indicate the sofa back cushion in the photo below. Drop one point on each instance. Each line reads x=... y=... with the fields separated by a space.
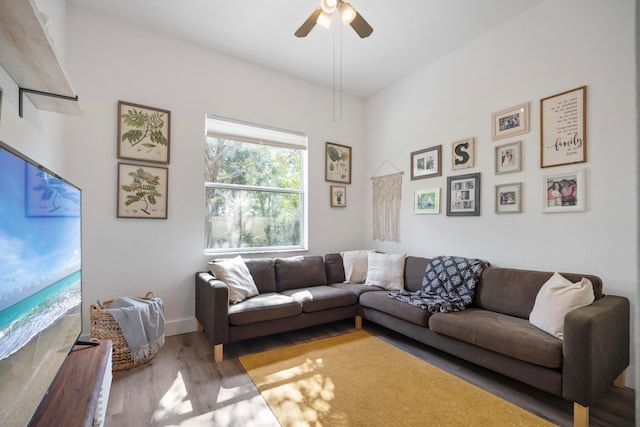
x=414 y=269
x=299 y=272
x=263 y=274
x=513 y=291
x=334 y=268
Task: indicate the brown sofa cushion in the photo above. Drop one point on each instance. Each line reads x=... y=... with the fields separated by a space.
x=299 y=272
x=263 y=307
x=317 y=298
x=414 y=269
x=513 y=292
x=261 y=270
x=508 y=335
x=380 y=300
x=334 y=267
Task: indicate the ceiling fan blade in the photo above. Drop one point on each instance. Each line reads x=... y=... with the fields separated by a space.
x=361 y=26
x=308 y=25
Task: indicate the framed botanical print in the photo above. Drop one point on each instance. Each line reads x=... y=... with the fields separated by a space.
x=508 y=198
x=462 y=154
x=337 y=163
x=426 y=163
x=338 y=196
x=463 y=195
x=144 y=133
x=510 y=122
x=563 y=128
x=508 y=157
x=142 y=191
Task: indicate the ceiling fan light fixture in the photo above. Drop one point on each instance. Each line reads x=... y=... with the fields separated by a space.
x=324 y=20
x=328 y=6
x=348 y=13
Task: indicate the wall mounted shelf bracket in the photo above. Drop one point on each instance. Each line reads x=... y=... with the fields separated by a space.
x=37 y=92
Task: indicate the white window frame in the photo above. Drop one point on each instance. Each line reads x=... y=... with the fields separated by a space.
x=224 y=128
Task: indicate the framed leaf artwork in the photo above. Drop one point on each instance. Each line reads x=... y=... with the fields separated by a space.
x=144 y=133
x=142 y=191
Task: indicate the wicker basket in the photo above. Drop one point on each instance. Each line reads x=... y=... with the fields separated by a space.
x=105 y=327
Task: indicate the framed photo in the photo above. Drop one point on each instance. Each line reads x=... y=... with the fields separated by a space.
x=463 y=195
x=508 y=157
x=426 y=163
x=564 y=192
x=563 y=127
x=337 y=163
x=144 y=133
x=338 y=196
x=48 y=196
x=510 y=121
x=142 y=191
x=462 y=154
x=509 y=198
x=426 y=201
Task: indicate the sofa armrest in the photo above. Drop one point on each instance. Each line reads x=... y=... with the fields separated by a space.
x=596 y=348
x=212 y=307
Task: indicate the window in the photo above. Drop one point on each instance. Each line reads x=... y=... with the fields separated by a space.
x=254 y=188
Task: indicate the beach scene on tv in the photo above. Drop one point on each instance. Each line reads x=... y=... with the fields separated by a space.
x=40 y=252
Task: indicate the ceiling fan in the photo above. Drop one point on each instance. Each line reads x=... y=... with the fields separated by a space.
x=322 y=16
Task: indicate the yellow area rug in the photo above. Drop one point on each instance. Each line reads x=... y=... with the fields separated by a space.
x=359 y=380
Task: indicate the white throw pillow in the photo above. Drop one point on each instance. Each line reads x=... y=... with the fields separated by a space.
x=355 y=266
x=385 y=271
x=236 y=275
x=557 y=297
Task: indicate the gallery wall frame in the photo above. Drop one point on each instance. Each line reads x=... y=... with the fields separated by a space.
x=564 y=192
x=338 y=196
x=142 y=191
x=426 y=163
x=563 y=128
x=463 y=154
x=144 y=133
x=510 y=122
x=508 y=157
x=337 y=163
x=426 y=201
x=508 y=198
x=463 y=195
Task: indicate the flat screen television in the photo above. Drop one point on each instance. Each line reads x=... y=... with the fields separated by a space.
x=40 y=281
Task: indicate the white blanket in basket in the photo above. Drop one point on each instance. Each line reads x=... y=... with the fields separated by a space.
x=141 y=322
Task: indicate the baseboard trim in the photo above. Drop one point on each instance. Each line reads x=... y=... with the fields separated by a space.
x=180 y=326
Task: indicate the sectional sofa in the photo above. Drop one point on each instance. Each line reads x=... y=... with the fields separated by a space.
x=493 y=332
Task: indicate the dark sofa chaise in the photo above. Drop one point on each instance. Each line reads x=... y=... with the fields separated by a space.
x=494 y=332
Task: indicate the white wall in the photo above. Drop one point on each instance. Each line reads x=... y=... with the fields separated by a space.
x=554 y=47
x=108 y=61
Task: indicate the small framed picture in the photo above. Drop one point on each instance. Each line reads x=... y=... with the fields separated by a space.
x=426 y=201
x=337 y=163
x=563 y=124
x=462 y=154
x=564 y=192
x=509 y=198
x=338 y=196
x=510 y=121
x=508 y=157
x=142 y=191
x=426 y=163
x=144 y=133
x=463 y=195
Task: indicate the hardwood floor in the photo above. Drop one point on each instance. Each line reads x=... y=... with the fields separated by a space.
x=182 y=386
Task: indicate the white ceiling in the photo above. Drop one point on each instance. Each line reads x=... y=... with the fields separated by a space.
x=408 y=34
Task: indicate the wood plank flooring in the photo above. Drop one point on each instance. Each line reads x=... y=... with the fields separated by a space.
x=182 y=386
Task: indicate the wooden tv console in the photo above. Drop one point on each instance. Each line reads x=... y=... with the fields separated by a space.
x=79 y=393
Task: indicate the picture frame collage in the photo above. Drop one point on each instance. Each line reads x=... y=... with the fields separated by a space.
x=562 y=143
x=337 y=169
x=144 y=136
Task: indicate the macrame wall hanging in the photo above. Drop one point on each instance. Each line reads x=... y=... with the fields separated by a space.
x=387 y=192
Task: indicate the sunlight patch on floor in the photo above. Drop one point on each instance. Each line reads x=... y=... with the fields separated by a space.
x=174 y=402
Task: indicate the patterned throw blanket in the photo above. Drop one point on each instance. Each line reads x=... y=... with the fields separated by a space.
x=449 y=284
